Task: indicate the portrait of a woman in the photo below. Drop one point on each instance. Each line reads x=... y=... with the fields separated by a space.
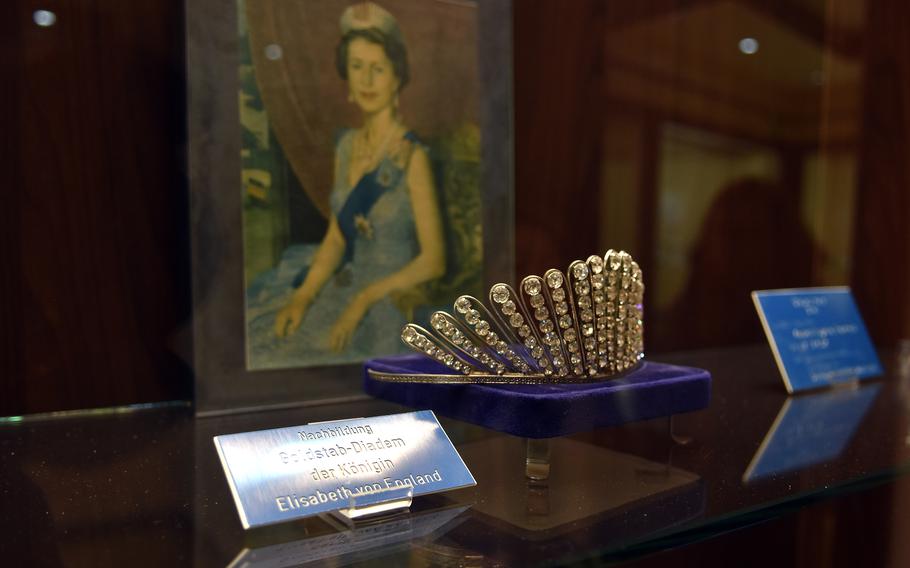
x=385 y=227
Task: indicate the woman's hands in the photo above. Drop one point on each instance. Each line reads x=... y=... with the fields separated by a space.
x=347 y=323
x=288 y=319
x=326 y=259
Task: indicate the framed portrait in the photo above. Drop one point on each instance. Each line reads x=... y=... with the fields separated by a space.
x=350 y=171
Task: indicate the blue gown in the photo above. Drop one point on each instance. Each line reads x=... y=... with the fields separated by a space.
x=376 y=217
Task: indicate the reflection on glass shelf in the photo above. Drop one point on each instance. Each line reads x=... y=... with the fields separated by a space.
x=592 y=490
x=811 y=429
x=565 y=498
x=348 y=546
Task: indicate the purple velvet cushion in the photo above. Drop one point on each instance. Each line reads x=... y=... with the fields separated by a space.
x=546 y=411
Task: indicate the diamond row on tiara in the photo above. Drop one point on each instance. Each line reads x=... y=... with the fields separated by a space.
x=419 y=340
x=568 y=329
x=478 y=318
x=463 y=341
x=515 y=317
x=625 y=291
x=599 y=303
x=554 y=361
x=581 y=285
x=585 y=322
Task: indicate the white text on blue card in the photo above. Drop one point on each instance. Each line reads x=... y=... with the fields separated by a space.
x=817 y=335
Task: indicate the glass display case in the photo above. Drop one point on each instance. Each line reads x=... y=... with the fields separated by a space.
x=180 y=164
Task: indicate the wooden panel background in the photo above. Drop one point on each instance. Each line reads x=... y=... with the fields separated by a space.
x=881 y=269
x=95 y=271
x=559 y=114
x=94 y=275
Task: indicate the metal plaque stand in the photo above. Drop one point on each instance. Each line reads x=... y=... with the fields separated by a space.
x=370 y=506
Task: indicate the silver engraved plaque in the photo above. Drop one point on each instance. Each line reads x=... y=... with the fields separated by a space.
x=289 y=473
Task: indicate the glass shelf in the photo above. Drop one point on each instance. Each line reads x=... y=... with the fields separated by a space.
x=146 y=487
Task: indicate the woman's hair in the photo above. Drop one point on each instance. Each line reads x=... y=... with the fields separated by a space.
x=393 y=47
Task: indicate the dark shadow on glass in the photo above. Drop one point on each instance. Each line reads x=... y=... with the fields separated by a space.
x=752 y=239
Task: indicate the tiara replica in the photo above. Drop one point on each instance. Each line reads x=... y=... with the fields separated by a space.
x=579 y=326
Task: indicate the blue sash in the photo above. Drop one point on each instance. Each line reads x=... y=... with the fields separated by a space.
x=371 y=186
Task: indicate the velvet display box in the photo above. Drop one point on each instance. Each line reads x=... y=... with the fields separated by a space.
x=546 y=411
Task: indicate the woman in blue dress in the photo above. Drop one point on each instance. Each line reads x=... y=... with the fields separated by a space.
x=385 y=233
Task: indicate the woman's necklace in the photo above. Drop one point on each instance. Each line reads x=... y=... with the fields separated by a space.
x=368 y=154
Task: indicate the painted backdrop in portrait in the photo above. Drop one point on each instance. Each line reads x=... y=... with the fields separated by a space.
x=297 y=122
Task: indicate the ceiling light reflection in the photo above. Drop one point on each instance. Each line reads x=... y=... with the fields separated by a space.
x=44 y=18
x=748 y=45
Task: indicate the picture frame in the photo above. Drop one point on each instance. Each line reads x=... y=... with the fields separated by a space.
x=224 y=382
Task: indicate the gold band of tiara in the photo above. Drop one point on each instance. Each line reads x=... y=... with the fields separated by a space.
x=576 y=326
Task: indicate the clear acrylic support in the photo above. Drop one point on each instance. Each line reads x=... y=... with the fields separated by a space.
x=537 y=459
x=376 y=503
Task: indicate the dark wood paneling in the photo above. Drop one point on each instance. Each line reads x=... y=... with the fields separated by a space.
x=95 y=271
x=881 y=273
x=11 y=313
x=559 y=117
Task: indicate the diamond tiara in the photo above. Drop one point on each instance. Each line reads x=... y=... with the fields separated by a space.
x=581 y=325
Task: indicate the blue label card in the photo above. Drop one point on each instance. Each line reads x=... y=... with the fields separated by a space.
x=817 y=336
x=811 y=428
x=289 y=473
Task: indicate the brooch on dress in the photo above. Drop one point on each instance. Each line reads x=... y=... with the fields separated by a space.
x=363 y=226
x=581 y=325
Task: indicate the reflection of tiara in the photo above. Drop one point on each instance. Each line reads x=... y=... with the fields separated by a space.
x=578 y=326
x=366 y=15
